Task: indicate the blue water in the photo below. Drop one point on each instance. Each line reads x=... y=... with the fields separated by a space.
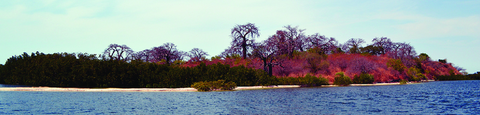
x=442 y=97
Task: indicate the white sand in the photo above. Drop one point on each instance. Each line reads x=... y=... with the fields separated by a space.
x=58 y=89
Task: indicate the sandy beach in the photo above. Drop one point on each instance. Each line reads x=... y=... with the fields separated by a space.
x=61 y=89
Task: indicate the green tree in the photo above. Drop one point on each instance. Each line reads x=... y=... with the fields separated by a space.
x=363 y=79
x=396 y=64
x=342 y=80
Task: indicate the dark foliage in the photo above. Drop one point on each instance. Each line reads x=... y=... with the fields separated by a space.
x=214 y=85
x=2 y=81
x=475 y=76
x=342 y=80
x=307 y=81
x=83 y=70
x=363 y=79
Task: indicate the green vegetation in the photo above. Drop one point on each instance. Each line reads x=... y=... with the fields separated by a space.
x=363 y=79
x=342 y=80
x=396 y=64
x=2 y=81
x=214 y=85
x=403 y=81
x=307 y=81
x=415 y=74
x=83 y=70
x=475 y=76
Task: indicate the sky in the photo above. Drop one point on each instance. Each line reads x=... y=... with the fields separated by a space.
x=444 y=29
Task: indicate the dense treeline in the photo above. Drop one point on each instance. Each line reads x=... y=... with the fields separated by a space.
x=475 y=76
x=84 y=70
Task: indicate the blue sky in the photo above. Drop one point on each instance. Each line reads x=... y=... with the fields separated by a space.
x=441 y=28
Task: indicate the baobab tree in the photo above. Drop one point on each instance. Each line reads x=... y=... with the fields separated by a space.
x=319 y=41
x=295 y=37
x=384 y=43
x=145 y=55
x=353 y=45
x=197 y=54
x=231 y=51
x=279 y=43
x=167 y=52
x=118 y=52
x=243 y=36
x=266 y=53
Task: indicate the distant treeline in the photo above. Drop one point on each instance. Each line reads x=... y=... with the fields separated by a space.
x=475 y=76
x=85 y=70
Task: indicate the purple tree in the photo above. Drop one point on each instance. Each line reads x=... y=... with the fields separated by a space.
x=384 y=43
x=241 y=35
x=353 y=45
x=167 y=52
x=197 y=54
x=279 y=43
x=319 y=41
x=118 y=52
x=231 y=51
x=266 y=53
x=295 y=37
x=145 y=55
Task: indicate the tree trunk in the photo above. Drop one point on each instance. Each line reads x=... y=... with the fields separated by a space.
x=244 y=46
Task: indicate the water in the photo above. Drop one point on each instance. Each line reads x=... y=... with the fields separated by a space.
x=442 y=97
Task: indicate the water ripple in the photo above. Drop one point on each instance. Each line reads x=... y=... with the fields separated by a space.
x=445 y=97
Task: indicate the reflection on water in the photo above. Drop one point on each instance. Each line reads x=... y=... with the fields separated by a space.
x=457 y=97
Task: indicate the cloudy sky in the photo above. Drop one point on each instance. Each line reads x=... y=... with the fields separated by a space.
x=441 y=28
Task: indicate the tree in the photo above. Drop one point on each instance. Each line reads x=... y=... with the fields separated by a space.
x=167 y=52
x=145 y=55
x=326 y=44
x=241 y=35
x=197 y=54
x=279 y=43
x=118 y=52
x=372 y=50
x=361 y=65
x=266 y=53
x=341 y=79
x=384 y=43
x=423 y=57
x=295 y=37
x=231 y=52
x=353 y=45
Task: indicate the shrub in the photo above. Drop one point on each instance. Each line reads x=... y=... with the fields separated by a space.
x=415 y=74
x=396 y=64
x=310 y=81
x=403 y=81
x=201 y=86
x=307 y=81
x=214 y=85
x=363 y=79
x=341 y=79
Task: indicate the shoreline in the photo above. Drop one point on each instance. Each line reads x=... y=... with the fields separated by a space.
x=239 y=88
x=62 y=89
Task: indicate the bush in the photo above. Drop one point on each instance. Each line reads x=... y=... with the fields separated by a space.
x=363 y=79
x=307 y=81
x=403 y=81
x=396 y=64
x=201 y=86
x=310 y=81
x=214 y=85
x=342 y=80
